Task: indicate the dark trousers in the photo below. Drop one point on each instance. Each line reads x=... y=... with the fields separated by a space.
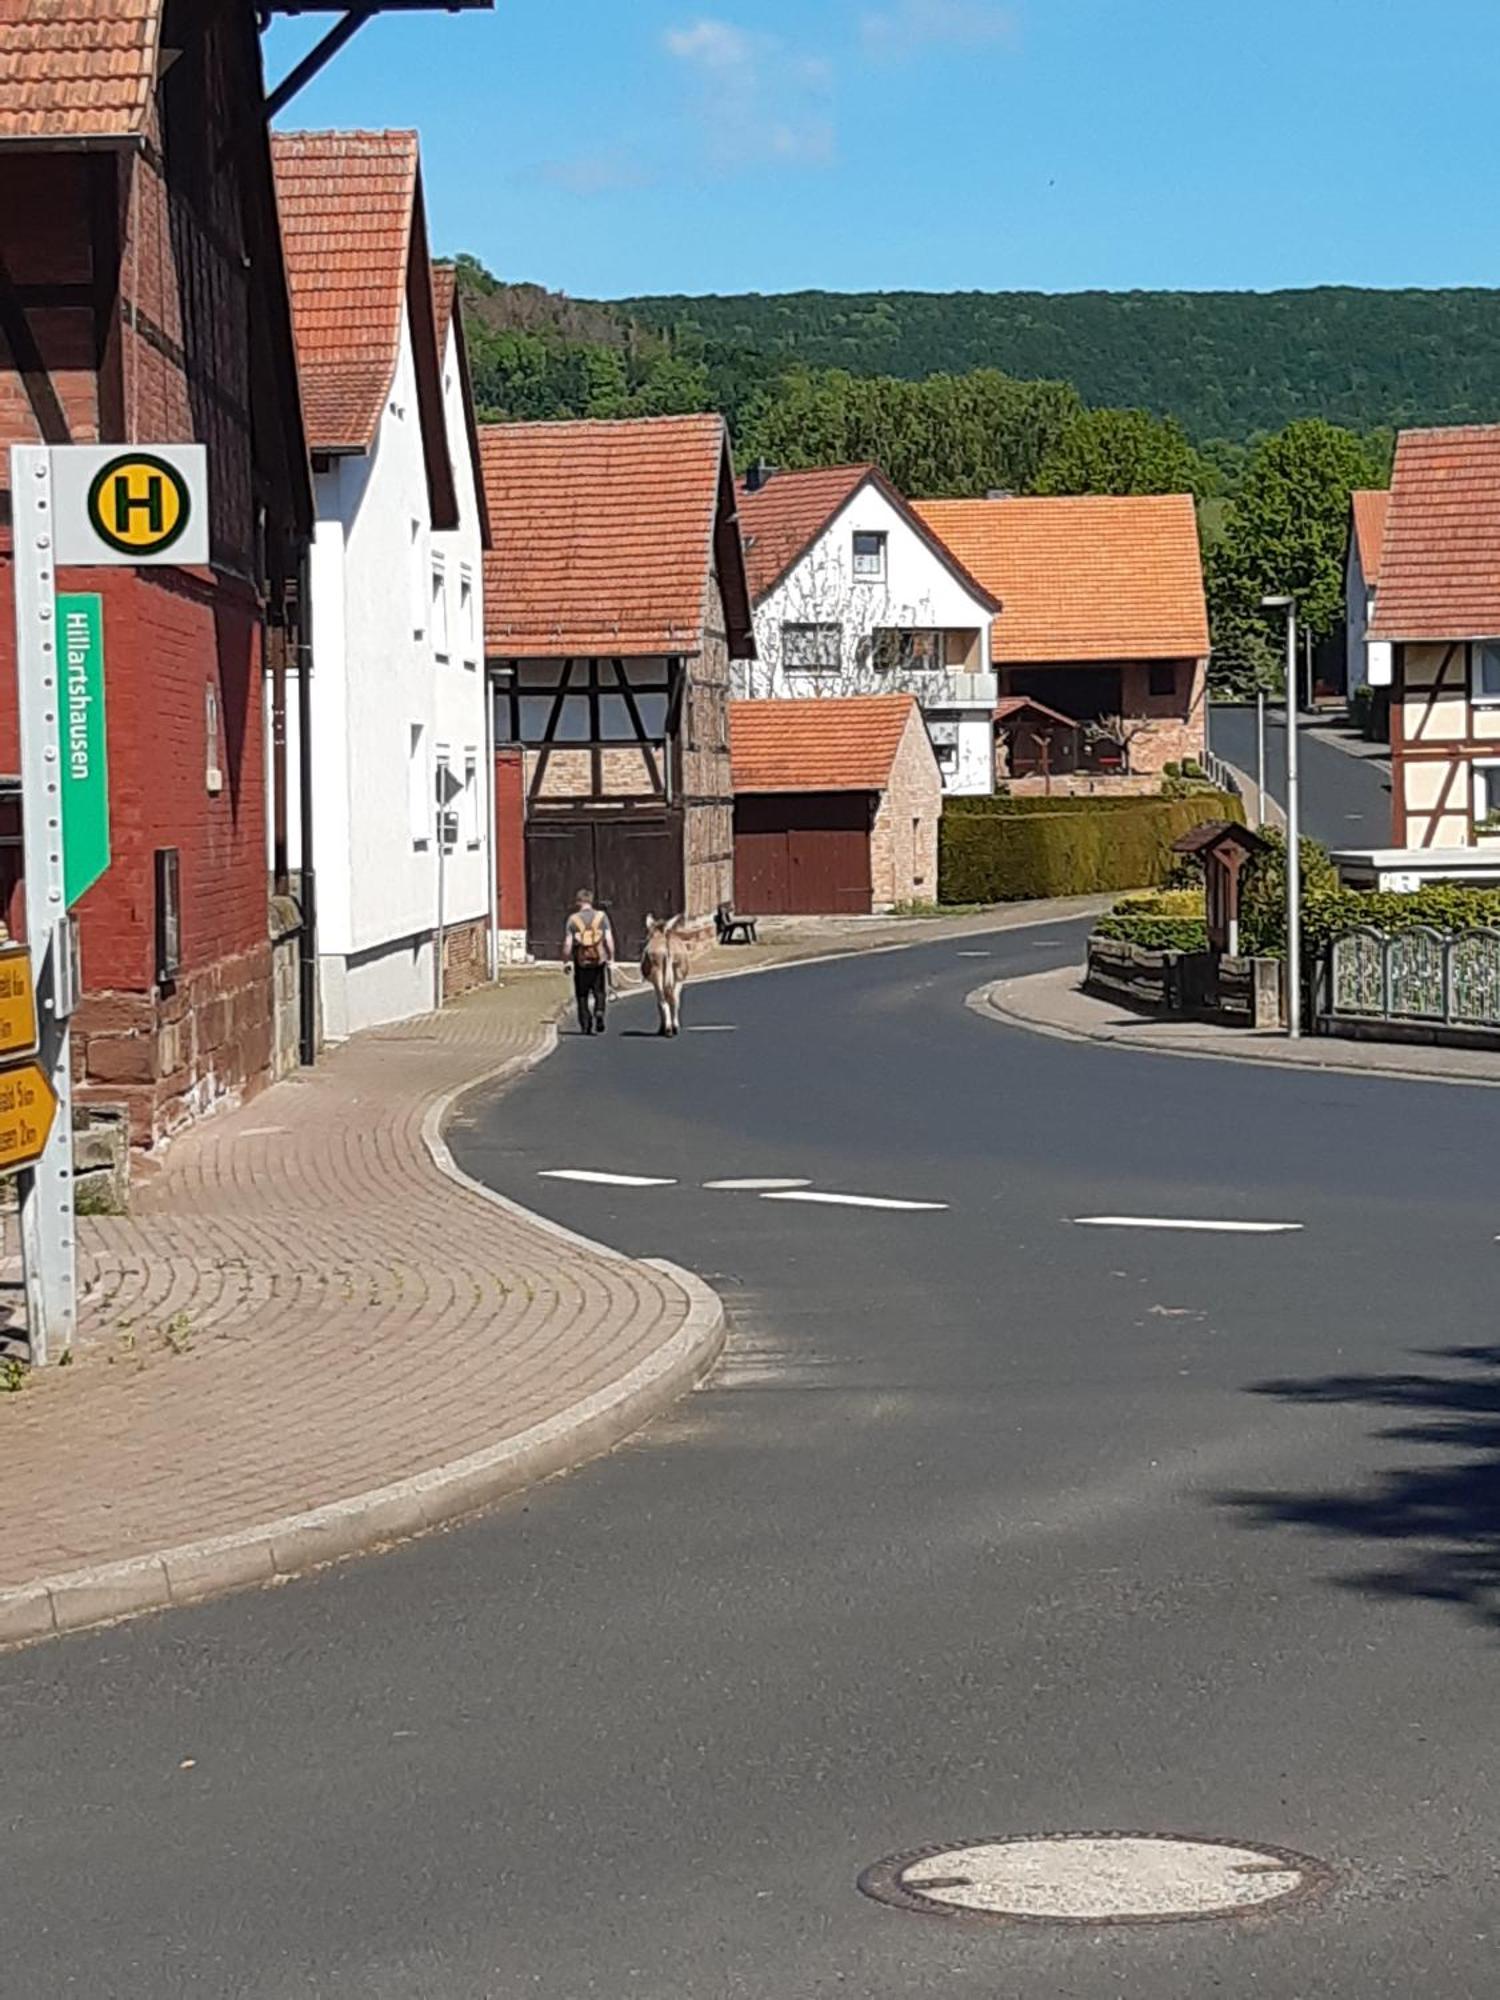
x=591 y=985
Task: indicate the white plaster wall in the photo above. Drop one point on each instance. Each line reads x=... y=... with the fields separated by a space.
x=918 y=591
x=458 y=685
x=375 y=674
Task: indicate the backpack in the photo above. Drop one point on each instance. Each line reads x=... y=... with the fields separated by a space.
x=588 y=941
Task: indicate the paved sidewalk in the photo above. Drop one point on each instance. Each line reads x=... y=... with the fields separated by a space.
x=312 y=1335
x=301 y=1313
x=1054 y=1003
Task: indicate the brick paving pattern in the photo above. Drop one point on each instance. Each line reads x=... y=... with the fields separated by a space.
x=301 y=1307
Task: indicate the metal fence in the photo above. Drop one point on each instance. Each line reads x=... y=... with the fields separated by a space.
x=1215 y=769
x=1436 y=978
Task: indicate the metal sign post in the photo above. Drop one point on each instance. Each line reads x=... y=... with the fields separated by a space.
x=104 y=505
x=47 y=1234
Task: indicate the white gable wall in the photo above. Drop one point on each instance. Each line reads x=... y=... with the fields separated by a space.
x=1366 y=661
x=918 y=592
x=376 y=677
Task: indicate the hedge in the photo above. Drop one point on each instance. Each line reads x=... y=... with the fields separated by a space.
x=1063 y=847
x=1156 y=933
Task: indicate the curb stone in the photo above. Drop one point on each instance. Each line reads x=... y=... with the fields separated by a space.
x=990 y=1003
x=277 y=1550
x=272 y=1551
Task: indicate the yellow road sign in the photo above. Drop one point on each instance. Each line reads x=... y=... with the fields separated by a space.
x=139 y=504
x=17 y=1002
x=27 y=1108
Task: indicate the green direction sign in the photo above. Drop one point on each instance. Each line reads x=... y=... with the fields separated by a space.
x=85 y=758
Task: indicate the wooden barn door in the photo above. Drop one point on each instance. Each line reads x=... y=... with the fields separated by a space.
x=632 y=862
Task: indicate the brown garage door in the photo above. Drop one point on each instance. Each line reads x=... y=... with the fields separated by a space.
x=803 y=853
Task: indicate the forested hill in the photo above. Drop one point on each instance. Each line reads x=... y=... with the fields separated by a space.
x=1225 y=364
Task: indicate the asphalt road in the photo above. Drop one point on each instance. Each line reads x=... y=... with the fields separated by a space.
x=991 y=1523
x=1346 y=800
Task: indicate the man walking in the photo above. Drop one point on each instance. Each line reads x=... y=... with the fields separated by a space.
x=589 y=947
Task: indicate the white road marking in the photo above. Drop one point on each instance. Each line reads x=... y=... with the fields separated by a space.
x=715 y=1028
x=759 y=1186
x=851 y=1200
x=1181 y=1222
x=975 y=954
x=603 y=1180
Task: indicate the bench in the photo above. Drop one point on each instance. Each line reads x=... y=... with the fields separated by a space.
x=732 y=929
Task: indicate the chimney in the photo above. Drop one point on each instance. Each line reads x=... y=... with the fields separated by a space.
x=757 y=475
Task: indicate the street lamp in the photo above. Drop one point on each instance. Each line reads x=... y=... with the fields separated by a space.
x=1293 y=823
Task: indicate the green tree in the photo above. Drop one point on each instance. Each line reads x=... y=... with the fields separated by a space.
x=1124 y=451
x=1284 y=535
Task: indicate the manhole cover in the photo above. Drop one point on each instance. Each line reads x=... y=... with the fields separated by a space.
x=1093 y=1878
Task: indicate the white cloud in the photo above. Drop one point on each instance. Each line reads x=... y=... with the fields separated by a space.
x=756 y=100
x=712 y=45
x=908 y=25
x=589 y=174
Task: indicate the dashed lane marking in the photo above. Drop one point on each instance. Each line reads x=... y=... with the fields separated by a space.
x=831 y=1200
x=715 y=1028
x=1182 y=1222
x=762 y=1185
x=601 y=1179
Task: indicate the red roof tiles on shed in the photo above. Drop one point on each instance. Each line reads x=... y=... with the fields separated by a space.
x=846 y=743
x=1370 y=506
x=604 y=537
x=1101 y=577
x=73 y=71
x=1440 y=562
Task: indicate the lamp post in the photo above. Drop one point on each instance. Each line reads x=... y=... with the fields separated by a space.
x=1293 y=824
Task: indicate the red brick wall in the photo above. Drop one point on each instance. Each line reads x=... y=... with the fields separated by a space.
x=132 y=277
x=166 y=642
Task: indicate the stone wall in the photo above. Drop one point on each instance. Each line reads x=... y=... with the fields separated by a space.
x=904 y=838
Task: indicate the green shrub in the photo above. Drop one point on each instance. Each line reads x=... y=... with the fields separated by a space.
x=1328 y=909
x=1155 y=933
x=1063 y=847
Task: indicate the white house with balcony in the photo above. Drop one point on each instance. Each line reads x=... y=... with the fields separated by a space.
x=401 y=757
x=853 y=594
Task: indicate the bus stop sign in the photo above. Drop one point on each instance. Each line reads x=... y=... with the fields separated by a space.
x=118 y=504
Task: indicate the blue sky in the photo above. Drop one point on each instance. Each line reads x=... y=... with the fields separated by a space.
x=604 y=147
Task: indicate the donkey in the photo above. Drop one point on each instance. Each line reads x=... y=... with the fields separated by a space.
x=664 y=966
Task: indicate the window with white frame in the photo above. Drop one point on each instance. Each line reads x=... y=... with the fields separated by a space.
x=1485 y=671
x=812 y=649
x=1487 y=797
x=869 y=555
x=419 y=787
x=418 y=582
x=468 y=632
x=444 y=791
x=439 y=602
x=469 y=803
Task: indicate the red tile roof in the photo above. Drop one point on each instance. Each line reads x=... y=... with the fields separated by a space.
x=347 y=204
x=1440 y=562
x=76 y=70
x=780 y=521
x=1010 y=705
x=1370 y=505
x=604 y=537
x=1094 y=578
x=846 y=743
x=444 y=291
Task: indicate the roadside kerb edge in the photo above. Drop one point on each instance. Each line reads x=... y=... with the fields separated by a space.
x=991 y=1002
x=75 y=1600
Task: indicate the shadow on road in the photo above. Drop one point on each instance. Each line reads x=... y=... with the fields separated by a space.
x=1445 y=1515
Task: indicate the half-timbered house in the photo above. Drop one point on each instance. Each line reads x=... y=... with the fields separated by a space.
x=615 y=600
x=1438 y=606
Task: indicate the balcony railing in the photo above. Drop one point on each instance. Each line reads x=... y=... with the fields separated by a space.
x=945 y=688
